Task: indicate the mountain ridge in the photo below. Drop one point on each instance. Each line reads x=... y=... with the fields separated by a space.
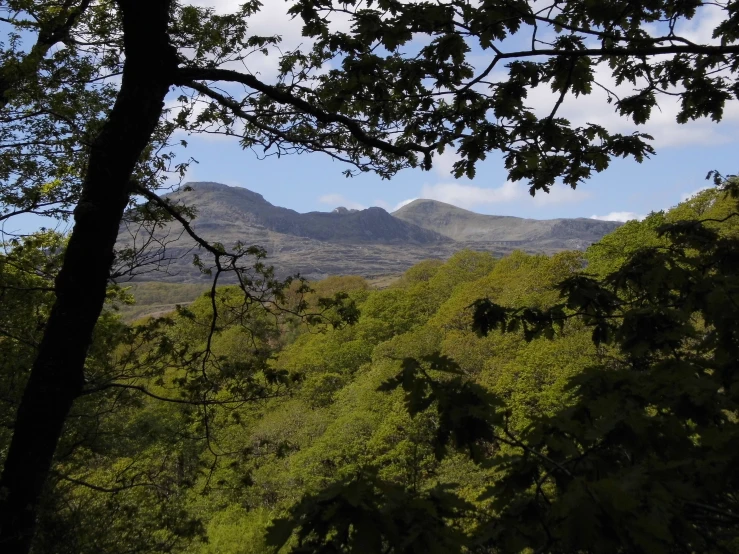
x=369 y=242
x=369 y=225
x=468 y=226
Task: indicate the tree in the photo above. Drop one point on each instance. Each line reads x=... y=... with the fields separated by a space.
x=52 y=100
x=384 y=110
x=153 y=39
x=639 y=459
x=118 y=453
x=57 y=377
x=627 y=448
x=417 y=64
x=650 y=426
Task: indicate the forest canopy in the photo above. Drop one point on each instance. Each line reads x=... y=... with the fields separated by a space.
x=415 y=428
x=529 y=404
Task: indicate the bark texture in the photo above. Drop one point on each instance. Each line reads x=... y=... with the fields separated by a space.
x=57 y=375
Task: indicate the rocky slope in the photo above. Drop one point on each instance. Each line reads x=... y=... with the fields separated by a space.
x=220 y=205
x=490 y=231
x=368 y=242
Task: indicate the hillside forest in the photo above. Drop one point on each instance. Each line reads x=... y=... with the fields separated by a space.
x=475 y=405
x=582 y=398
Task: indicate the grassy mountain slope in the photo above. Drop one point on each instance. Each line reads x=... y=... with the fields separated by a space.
x=469 y=227
x=371 y=242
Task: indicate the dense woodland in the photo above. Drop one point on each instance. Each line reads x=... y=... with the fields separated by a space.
x=407 y=419
x=558 y=404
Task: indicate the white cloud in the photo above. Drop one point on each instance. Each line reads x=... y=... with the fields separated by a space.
x=662 y=125
x=273 y=19
x=469 y=196
x=337 y=200
x=173 y=107
x=700 y=29
x=559 y=195
x=687 y=195
x=618 y=216
x=444 y=162
x=402 y=203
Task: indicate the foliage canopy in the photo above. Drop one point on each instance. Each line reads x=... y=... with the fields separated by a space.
x=635 y=457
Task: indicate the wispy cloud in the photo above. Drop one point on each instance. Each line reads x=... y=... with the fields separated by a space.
x=470 y=196
x=444 y=163
x=272 y=19
x=662 y=125
x=337 y=200
x=688 y=195
x=402 y=203
x=619 y=216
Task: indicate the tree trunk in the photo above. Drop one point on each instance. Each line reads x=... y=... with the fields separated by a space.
x=58 y=372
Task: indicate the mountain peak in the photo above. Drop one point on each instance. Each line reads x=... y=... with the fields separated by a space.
x=470 y=227
x=224 y=191
x=207 y=185
x=427 y=205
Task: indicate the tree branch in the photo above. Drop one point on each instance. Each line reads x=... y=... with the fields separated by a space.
x=186 y=75
x=237 y=110
x=705 y=50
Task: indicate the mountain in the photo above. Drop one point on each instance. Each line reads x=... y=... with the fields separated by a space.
x=219 y=205
x=368 y=242
x=478 y=230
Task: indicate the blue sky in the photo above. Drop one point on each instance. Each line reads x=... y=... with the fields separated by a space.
x=314 y=182
x=685 y=153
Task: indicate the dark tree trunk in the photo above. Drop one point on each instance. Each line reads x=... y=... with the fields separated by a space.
x=57 y=375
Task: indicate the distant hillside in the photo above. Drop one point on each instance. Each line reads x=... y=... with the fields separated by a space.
x=371 y=242
x=471 y=228
x=220 y=204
